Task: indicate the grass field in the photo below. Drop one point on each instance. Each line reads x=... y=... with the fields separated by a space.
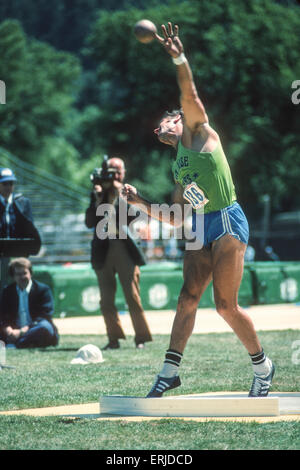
x=212 y=362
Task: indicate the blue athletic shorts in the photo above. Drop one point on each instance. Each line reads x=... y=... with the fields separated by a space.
x=230 y=220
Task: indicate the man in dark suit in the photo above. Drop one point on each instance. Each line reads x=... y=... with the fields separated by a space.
x=115 y=254
x=26 y=310
x=16 y=220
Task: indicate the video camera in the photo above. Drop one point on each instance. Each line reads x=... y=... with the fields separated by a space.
x=103 y=174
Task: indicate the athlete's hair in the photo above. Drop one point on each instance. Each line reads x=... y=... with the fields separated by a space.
x=173 y=113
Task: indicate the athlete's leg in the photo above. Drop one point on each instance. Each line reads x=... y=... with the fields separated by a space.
x=228 y=263
x=197 y=274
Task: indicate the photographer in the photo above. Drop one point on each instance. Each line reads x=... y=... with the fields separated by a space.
x=113 y=255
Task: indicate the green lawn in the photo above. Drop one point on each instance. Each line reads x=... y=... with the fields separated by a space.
x=212 y=362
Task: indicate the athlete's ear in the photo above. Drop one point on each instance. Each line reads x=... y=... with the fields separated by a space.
x=177 y=119
x=156 y=131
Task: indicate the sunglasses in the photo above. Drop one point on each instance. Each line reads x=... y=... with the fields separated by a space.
x=8 y=183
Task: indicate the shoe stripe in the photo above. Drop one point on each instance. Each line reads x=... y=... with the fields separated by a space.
x=164 y=383
x=259 y=388
x=161 y=386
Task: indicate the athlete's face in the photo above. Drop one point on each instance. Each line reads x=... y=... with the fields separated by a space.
x=170 y=130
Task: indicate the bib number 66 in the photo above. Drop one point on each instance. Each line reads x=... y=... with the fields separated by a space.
x=195 y=196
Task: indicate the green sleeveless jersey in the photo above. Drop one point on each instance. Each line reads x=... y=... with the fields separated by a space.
x=211 y=173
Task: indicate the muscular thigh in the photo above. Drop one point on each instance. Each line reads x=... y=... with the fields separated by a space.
x=197 y=270
x=228 y=263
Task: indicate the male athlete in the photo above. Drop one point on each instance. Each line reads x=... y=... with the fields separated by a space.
x=202 y=171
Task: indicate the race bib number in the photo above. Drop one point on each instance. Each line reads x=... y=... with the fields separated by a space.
x=195 y=196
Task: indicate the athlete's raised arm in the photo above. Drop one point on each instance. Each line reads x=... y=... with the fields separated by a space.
x=193 y=108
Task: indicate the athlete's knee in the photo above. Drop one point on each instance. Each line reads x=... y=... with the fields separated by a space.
x=225 y=308
x=188 y=297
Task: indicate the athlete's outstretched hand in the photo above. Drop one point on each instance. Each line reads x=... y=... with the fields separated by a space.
x=170 y=40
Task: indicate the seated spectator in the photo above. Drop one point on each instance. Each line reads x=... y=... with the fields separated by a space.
x=26 y=310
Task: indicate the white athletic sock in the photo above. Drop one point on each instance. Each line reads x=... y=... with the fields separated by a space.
x=262 y=365
x=171 y=364
x=168 y=370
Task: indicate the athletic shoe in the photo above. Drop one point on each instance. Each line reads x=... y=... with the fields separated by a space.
x=261 y=385
x=112 y=345
x=162 y=385
x=140 y=346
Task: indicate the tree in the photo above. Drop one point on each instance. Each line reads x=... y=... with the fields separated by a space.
x=39 y=85
x=63 y=23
